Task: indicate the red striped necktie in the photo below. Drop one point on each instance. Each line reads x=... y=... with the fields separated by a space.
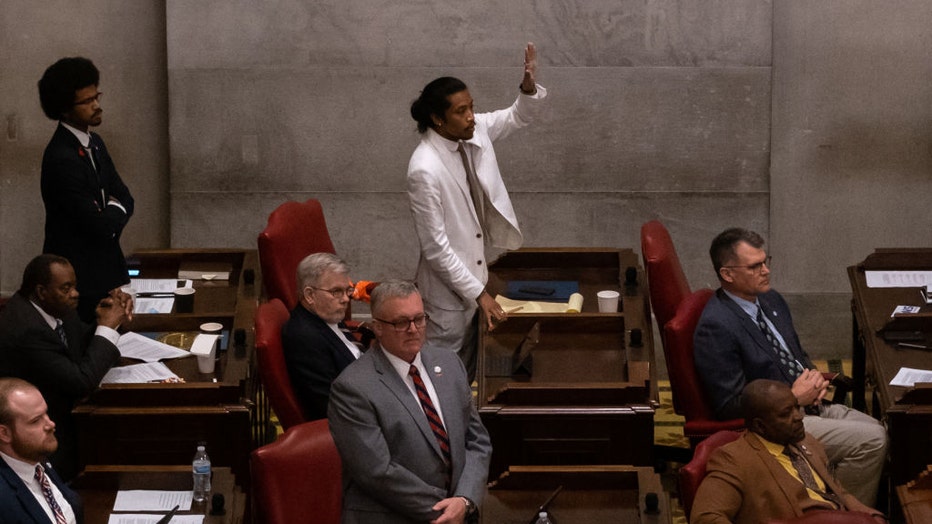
x=436 y=425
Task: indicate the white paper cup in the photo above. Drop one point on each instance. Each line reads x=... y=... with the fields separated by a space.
x=205 y=348
x=608 y=301
x=211 y=327
x=206 y=364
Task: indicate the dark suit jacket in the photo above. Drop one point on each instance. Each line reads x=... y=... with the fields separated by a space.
x=731 y=351
x=32 y=351
x=18 y=504
x=315 y=356
x=393 y=470
x=79 y=225
x=744 y=484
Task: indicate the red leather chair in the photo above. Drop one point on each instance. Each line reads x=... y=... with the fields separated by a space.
x=298 y=478
x=294 y=231
x=689 y=397
x=270 y=317
x=665 y=278
x=690 y=475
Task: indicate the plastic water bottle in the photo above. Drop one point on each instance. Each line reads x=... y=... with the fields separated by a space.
x=543 y=518
x=201 y=470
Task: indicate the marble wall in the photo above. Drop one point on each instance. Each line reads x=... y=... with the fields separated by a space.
x=657 y=109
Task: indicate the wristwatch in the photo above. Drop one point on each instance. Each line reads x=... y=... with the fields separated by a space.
x=470 y=506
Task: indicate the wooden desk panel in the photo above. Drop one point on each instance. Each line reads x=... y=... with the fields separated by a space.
x=588 y=397
x=594 y=495
x=162 y=423
x=98 y=486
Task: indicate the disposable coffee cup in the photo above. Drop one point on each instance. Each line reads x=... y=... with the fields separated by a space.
x=211 y=327
x=608 y=301
x=184 y=300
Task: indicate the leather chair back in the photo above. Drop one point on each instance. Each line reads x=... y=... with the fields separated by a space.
x=690 y=475
x=665 y=277
x=298 y=478
x=294 y=231
x=689 y=397
x=270 y=317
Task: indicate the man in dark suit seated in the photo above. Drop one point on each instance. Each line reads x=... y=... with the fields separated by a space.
x=314 y=340
x=30 y=489
x=405 y=423
x=86 y=202
x=746 y=332
x=42 y=340
x=775 y=470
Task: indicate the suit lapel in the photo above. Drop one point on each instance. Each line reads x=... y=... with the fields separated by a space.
x=399 y=389
x=454 y=164
x=26 y=499
x=336 y=346
x=751 y=327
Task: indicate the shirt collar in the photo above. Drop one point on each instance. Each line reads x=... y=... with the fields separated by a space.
x=82 y=136
x=49 y=319
x=23 y=470
x=402 y=367
x=772 y=447
x=449 y=145
x=749 y=307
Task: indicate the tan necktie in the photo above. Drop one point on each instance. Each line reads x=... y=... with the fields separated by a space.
x=475 y=189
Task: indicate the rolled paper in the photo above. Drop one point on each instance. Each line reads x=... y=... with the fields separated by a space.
x=575 y=303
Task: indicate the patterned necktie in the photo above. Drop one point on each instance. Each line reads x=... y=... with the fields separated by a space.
x=475 y=190
x=47 y=491
x=805 y=474
x=786 y=359
x=436 y=425
x=60 y=329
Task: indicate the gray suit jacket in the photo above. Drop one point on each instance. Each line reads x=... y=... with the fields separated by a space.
x=393 y=471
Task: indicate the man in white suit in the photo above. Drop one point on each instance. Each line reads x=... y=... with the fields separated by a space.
x=405 y=424
x=460 y=205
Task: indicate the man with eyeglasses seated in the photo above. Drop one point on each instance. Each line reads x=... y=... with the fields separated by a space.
x=405 y=424
x=746 y=333
x=87 y=205
x=315 y=341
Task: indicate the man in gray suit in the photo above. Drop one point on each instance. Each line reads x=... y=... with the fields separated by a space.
x=403 y=418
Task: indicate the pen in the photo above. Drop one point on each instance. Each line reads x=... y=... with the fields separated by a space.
x=798 y=364
x=911 y=346
x=168 y=516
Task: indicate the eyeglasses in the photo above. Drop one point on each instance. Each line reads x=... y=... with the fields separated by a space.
x=755 y=268
x=400 y=326
x=337 y=292
x=90 y=99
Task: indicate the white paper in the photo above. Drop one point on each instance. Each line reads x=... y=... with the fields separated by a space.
x=907 y=377
x=530 y=306
x=141 y=518
x=156 y=285
x=153 y=305
x=138 y=374
x=898 y=278
x=152 y=500
x=134 y=345
x=204 y=344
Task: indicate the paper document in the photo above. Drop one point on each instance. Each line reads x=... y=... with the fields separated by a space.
x=150 y=305
x=138 y=374
x=908 y=377
x=898 y=278
x=152 y=500
x=530 y=306
x=142 y=518
x=134 y=345
x=144 y=286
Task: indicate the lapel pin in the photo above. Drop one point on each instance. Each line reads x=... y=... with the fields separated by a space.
x=438 y=371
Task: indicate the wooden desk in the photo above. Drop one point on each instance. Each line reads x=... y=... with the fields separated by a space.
x=594 y=495
x=162 y=423
x=906 y=411
x=98 y=486
x=588 y=398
